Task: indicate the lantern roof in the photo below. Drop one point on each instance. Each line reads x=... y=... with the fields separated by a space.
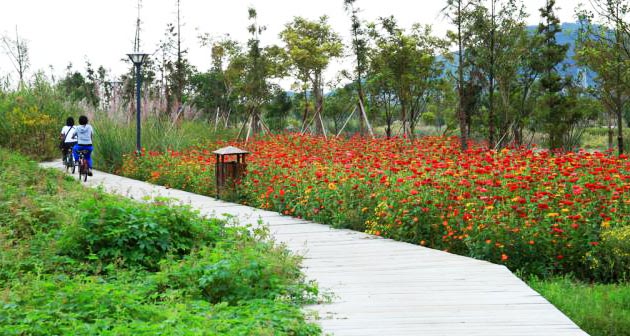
x=230 y=150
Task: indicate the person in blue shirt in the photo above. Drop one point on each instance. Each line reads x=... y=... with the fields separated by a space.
x=85 y=133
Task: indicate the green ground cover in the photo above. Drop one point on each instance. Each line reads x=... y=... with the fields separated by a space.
x=599 y=309
x=78 y=261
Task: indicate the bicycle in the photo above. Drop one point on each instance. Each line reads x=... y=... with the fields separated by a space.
x=68 y=160
x=83 y=165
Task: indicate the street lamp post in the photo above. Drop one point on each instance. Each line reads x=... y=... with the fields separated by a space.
x=137 y=58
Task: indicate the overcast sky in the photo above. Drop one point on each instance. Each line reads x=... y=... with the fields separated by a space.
x=101 y=31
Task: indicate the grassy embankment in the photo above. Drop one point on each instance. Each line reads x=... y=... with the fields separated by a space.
x=599 y=309
x=78 y=261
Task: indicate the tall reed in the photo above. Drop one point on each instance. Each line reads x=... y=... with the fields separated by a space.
x=114 y=139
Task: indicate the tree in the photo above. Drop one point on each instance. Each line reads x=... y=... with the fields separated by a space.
x=311 y=45
x=381 y=90
x=605 y=49
x=555 y=105
x=277 y=110
x=359 y=47
x=215 y=90
x=496 y=30
x=339 y=106
x=459 y=13
x=208 y=93
x=176 y=69
x=255 y=87
x=17 y=51
x=406 y=62
x=78 y=87
x=496 y=39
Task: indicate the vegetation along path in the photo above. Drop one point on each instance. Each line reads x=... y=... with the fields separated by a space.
x=383 y=287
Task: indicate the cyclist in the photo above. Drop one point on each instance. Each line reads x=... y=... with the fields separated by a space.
x=68 y=137
x=84 y=141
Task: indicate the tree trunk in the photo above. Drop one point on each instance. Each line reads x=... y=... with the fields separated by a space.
x=403 y=116
x=491 y=121
x=319 y=129
x=463 y=129
x=305 y=116
x=360 y=105
x=610 y=132
x=179 y=67
x=620 y=129
x=619 y=99
x=518 y=135
x=364 y=117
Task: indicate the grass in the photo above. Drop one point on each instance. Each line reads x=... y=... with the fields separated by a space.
x=114 y=139
x=79 y=261
x=599 y=309
x=596 y=138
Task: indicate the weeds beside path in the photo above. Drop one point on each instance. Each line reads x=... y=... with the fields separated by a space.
x=79 y=261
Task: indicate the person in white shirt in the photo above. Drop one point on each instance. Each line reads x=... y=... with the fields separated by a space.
x=68 y=137
x=84 y=141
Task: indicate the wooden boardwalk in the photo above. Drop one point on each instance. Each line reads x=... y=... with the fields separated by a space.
x=384 y=287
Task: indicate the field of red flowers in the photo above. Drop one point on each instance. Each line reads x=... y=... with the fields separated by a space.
x=539 y=212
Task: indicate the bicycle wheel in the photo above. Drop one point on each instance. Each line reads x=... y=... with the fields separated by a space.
x=80 y=167
x=69 y=162
x=84 y=169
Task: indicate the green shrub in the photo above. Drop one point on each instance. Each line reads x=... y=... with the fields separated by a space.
x=130 y=234
x=32 y=119
x=121 y=306
x=611 y=261
x=35 y=205
x=238 y=271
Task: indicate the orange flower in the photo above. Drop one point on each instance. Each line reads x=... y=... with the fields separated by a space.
x=504 y=257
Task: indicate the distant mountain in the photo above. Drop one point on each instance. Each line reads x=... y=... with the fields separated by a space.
x=568 y=36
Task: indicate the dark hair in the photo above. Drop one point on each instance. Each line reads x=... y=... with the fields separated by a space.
x=83 y=120
x=70 y=121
